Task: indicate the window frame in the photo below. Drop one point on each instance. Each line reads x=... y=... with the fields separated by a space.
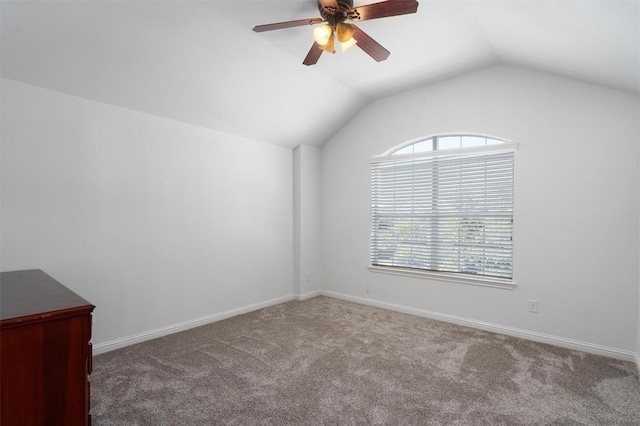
x=457 y=277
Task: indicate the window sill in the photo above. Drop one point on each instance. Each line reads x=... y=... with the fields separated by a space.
x=503 y=283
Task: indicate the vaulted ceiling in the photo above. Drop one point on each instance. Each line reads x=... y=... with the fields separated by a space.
x=200 y=62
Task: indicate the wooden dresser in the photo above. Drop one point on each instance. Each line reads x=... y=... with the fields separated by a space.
x=45 y=351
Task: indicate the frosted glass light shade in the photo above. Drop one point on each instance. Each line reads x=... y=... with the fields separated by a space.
x=322 y=34
x=329 y=46
x=344 y=32
x=348 y=44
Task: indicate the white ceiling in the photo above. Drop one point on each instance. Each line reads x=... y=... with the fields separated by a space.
x=201 y=63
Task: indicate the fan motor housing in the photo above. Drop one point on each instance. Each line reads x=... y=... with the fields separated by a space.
x=333 y=15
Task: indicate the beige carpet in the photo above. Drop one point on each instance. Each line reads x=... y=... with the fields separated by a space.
x=329 y=362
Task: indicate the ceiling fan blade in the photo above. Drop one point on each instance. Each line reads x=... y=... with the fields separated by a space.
x=383 y=9
x=369 y=45
x=287 y=24
x=313 y=55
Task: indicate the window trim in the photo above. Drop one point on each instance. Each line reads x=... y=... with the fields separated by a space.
x=478 y=280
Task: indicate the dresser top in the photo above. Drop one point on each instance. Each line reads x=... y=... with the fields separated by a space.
x=33 y=295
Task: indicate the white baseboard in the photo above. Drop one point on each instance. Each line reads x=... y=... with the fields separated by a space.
x=174 y=328
x=309 y=295
x=638 y=363
x=509 y=331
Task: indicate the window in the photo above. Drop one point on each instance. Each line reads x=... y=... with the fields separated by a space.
x=444 y=205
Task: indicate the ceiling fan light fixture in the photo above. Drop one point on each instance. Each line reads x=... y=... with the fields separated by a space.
x=329 y=46
x=348 y=44
x=323 y=34
x=344 y=32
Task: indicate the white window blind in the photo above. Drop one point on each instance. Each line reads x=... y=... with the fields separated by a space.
x=446 y=213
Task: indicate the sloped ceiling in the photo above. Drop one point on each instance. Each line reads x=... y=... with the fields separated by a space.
x=201 y=63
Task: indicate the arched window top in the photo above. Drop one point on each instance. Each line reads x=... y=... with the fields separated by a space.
x=446 y=142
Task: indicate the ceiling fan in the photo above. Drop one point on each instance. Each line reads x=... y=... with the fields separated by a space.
x=334 y=14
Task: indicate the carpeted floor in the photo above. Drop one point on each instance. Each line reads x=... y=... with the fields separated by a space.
x=329 y=362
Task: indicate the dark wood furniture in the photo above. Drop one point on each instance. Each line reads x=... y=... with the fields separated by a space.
x=45 y=351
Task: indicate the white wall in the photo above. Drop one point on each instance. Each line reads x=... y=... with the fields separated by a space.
x=154 y=221
x=576 y=202
x=307 y=220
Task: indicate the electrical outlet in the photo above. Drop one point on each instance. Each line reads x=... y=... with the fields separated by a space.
x=307 y=278
x=533 y=306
